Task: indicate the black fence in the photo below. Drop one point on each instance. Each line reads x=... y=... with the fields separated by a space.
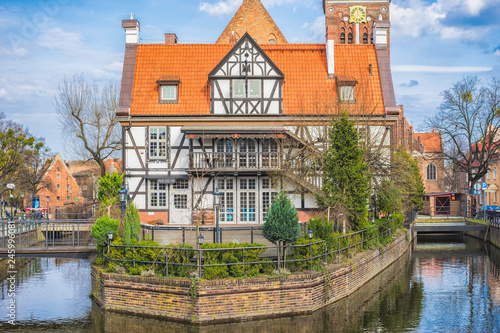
x=343 y=246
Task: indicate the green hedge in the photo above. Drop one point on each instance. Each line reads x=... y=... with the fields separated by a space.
x=154 y=255
x=226 y=256
x=303 y=253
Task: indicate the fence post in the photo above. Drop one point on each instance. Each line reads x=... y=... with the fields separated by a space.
x=153 y=234
x=133 y=255
x=78 y=232
x=183 y=235
x=243 y=250
x=326 y=255
x=29 y=232
x=3 y=234
x=278 y=247
x=166 y=263
x=200 y=256
x=53 y=234
x=73 y=233
x=213 y=237
x=251 y=235
x=46 y=236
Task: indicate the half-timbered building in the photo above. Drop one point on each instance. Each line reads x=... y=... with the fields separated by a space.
x=232 y=115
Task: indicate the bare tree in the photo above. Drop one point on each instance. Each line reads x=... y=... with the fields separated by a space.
x=36 y=162
x=469 y=119
x=87 y=115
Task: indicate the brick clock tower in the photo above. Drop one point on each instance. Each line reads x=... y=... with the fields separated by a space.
x=352 y=22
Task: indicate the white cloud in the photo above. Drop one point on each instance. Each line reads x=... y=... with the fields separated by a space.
x=15 y=51
x=221 y=7
x=3 y=93
x=439 y=69
x=415 y=17
x=317 y=29
x=58 y=39
x=497 y=53
x=224 y=7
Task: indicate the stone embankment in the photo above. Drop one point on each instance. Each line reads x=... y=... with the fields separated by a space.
x=229 y=300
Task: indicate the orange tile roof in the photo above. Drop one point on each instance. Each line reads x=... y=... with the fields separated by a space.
x=306 y=87
x=431 y=142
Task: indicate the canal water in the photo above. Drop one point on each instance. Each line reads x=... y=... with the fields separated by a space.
x=450 y=286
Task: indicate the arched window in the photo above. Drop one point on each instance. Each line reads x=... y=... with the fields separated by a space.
x=431 y=172
x=247 y=155
x=365 y=38
x=342 y=38
x=272 y=39
x=371 y=38
x=349 y=38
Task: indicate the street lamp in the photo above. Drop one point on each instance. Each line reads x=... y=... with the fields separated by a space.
x=11 y=187
x=310 y=234
x=122 y=194
x=200 y=243
x=217 y=201
x=110 y=238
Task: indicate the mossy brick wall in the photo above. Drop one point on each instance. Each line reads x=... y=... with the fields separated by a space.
x=494 y=236
x=242 y=299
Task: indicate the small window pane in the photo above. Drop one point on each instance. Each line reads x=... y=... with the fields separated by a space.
x=238 y=88
x=254 y=86
x=347 y=93
x=168 y=92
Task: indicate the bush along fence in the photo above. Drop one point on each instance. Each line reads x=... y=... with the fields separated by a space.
x=217 y=261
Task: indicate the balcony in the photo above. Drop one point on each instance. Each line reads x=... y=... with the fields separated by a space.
x=236 y=161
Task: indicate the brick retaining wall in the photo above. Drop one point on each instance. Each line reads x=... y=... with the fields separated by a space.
x=240 y=299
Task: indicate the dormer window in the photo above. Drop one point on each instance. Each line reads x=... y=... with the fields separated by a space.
x=347 y=94
x=168 y=89
x=346 y=89
x=168 y=92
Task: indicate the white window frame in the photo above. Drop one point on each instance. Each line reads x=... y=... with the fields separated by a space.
x=169 y=93
x=158 y=142
x=158 y=189
x=252 y=84
x=242 y=89
x=494 y=172
x=488 y=174
x=347 y=94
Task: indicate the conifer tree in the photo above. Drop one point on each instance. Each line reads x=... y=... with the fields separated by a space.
x=408 y=180
x=131 y=224
x=282 y=224
x=346 y=180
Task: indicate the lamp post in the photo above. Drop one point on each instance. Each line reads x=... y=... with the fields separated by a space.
x=217 y=201
x=11 y=187
x=110 y=238
x=310 y=234
x=122 y=194
x=200 y=243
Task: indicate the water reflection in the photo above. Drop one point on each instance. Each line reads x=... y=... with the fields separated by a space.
x=452 y=286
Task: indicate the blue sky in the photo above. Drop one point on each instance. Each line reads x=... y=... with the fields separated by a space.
x=433 y=45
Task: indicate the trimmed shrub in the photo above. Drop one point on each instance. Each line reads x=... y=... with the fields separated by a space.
x=100 y=229
x=301 y=253
x=224 y=256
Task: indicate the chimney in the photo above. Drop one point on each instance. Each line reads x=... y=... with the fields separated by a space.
x=170 y=38
x=434 y=130
x=132 y=28
x=382 y=33
x=232 y=39
x=330 y=51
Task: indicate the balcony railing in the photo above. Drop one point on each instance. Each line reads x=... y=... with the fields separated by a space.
x=235 y=161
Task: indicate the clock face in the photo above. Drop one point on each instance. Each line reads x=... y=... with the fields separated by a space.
x=358 y=14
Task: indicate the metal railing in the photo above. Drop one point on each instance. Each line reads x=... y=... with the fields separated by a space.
x=445 y=211
x=235 y=160
x=46 y=233
x=224 y=231
x=343 y=246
